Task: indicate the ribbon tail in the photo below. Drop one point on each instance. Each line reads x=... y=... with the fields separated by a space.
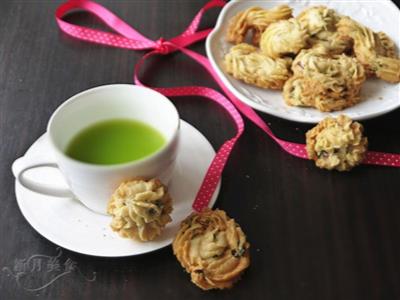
x=127 y=38
x=194 y=25
x=382 y=159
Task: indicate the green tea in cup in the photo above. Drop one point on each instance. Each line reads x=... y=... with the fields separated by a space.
x=115 y=141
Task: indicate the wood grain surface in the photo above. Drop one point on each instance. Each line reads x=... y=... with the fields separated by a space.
x=314 y=234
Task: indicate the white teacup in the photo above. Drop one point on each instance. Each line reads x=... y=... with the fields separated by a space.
x=90 y=183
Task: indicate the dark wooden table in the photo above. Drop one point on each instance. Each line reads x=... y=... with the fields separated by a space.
x=314 y=234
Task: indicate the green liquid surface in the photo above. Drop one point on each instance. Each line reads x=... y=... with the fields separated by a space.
x=114 y=142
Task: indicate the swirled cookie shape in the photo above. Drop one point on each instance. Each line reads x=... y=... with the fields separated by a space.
x=320 y=22
x=245 y=62
x=326 y=82
x=337 y=143
x=212 y=248
x=283 y=38
x=140 y=209
x=256 y=20
x=376 y=51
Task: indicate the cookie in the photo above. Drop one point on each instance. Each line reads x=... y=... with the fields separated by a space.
x=256 y=20
x=245 y=62
x=326 y=82
x=376 y=51
x=320 y=23
x=388 y=69
x=337 y=144
x=299 y=91
x=316 y=19
x=283 y=38
x=332 y=42
x=140 y=209
x=212 y=248
x=317 y=92
x=385 y=45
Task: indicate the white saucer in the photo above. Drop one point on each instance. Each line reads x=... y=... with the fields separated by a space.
x=69 y=224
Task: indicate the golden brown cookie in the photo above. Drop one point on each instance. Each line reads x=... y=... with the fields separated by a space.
x=386 y=46
x=388 y=69
x=318 y=92
x=245 y=62
x=337 y=143
x=376 y=51
x=326 y=82
x=299 y=91
x=333 y=42
x=319 y=61
x=320 y=23
x=284 y=38
x=212 y=248
x=255 y=19
x=316 y=19
x=140 y=209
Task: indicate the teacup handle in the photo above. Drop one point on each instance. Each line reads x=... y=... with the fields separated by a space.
x=23 y=164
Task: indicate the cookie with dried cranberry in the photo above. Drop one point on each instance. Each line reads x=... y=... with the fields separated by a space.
x=212 y=248
x=337 y=143
x=140 y=209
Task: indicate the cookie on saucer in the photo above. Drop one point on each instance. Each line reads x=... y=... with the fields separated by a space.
x=140 y=209
x=337 y=143
x=212 y=248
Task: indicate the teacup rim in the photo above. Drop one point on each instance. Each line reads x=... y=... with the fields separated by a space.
x=137 y=162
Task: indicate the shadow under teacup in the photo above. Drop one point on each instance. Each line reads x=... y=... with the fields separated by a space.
x=90 y=183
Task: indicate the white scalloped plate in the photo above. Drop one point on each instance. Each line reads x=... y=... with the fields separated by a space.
x=378 y=97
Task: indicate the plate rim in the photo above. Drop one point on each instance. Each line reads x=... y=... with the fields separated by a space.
x=224 y=77
x=34 y=225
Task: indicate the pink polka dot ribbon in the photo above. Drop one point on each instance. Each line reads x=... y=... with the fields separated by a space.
x=127 y=37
